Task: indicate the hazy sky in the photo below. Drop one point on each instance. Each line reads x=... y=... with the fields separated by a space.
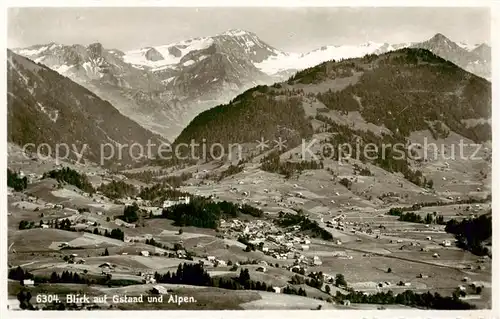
x=289 y=29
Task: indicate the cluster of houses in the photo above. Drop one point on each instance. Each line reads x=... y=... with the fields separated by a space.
x=120 y=222
x=106 y=268
x=215 y=262
x=254 y=230
x=280 y=245
x=129 y=201
x=180 y=253
x=148 y=277
x=34 y=200
x=32 y=177
x=337 y=221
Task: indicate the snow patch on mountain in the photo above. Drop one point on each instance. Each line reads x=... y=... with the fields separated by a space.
x=297 y=61
x=138 y=57
x=62 y=69
x=235 y=32
x=29 y=52
x=466 y=46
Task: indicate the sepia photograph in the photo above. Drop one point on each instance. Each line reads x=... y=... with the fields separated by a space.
x=249 y=158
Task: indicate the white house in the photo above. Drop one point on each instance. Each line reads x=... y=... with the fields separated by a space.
x=446 y=243
x=219 y=262
x=28 y=282
x=211 y=258
x=160 y=290
x=180 y=200
x=304 y=247
x=317 y=261
x=145 y=253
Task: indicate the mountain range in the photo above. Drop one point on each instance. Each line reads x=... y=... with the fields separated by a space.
x=164 y=87
x=45 y=107
x=388 y=99
x=397 y=93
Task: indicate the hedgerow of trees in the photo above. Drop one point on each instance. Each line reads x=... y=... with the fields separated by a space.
x=71 y=177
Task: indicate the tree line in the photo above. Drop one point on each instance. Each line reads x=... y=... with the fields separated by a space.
x=15 y=181
x=71 y=177
x=272 y=163
x=252 y=115
x=196 y=275
x=412 y=217
x=65 y=224
x=407 y=298
x=465 y=201
x=306 y=225
x=205 y=213
x=387 y=158
x=472 y=234
x=160 y=192
x=118 y=189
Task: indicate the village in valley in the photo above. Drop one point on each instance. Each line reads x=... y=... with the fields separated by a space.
x=301 y=241
x=180 y=164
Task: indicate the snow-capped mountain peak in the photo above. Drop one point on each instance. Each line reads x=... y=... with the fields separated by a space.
x=165 y=56
x=236 y=32
x=297 y=61
x=242 y=42
x=467 y=46
x=164 y=86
